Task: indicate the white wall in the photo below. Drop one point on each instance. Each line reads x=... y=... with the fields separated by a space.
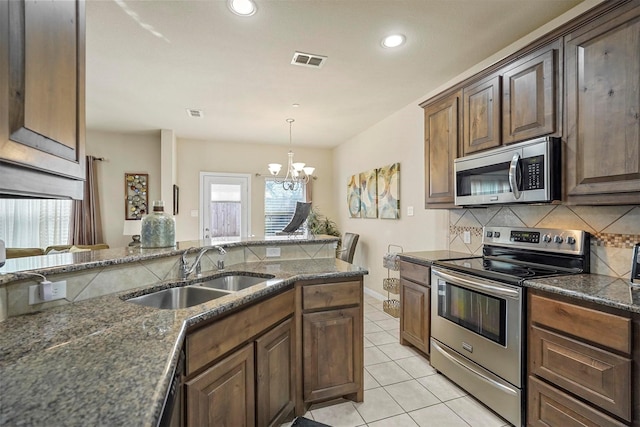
x=195 y=156
x=123 y=153
x=396 y=139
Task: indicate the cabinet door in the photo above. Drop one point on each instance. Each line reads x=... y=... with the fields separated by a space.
x=275 y=377
x=481 y=127
x=43 y=120
x=224 y=395
x=415 y=315
x=332 y=350
x=602 y=158
x=529 y=99
x=441 y=147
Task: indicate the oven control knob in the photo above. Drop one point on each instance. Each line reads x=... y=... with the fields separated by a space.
x=571 y=240
x=557 y=239
x=546 y=238
x=496 y=234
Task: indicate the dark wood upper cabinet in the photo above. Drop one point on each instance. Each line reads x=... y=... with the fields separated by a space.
x=602 y=156
x=529 y=98
x=42 y=120
x=481 y=111
x=441 y=147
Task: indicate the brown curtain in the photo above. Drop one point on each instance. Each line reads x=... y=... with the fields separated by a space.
x=86 y=226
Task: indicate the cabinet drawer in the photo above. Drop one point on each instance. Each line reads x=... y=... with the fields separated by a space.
x=211 y=342
x=596 y=375
x=596 y=326
x=415 y=272
x=331 y=295
x=549 y=407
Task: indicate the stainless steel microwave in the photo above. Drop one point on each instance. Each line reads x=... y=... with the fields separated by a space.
x=526 y=172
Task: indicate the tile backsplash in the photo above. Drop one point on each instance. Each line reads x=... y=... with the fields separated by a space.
x=614 y=229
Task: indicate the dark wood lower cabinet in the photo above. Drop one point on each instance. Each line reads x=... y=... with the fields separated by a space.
x=330 y=353
x=224 y=394
x=549 y=406
x=415 y=303
x=275 y=381
x=580 y=367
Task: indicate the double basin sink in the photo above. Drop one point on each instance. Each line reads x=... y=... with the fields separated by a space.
x=198 y=293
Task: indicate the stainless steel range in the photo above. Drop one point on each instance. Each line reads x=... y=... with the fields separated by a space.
x=478 y=306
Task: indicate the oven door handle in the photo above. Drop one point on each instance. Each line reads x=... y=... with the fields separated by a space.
x=499 y=291
x=513 y=176
x=479 y=374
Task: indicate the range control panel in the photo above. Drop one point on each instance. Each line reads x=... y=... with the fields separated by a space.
x=545 y=239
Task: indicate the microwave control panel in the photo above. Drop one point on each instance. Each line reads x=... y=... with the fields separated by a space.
x=533 y=173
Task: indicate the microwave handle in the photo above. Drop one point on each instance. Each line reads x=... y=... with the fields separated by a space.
x=513 y=176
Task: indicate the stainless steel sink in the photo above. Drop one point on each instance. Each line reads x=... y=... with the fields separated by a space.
x=175 y=298
x=234 y=282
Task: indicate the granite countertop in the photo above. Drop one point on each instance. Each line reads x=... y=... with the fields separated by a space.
x=66 y=262
x=105 y=361
x=610 y=291
x=605 y=290
x=427 y=258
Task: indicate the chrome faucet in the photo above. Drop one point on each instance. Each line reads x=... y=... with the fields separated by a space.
x=185 y=270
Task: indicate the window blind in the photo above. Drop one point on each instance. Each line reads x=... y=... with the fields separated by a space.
x=279 y=205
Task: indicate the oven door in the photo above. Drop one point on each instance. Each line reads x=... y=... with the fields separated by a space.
x=480 y=319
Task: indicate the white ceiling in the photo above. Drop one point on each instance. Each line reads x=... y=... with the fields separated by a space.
x=148 y=61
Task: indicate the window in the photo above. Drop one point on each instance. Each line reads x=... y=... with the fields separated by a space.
x=34 y=223
x=279 y=205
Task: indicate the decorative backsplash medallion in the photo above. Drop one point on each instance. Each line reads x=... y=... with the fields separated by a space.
x=614 y=229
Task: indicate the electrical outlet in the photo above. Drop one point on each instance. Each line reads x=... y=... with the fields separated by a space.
x=58 y=291
x=273 y=252
x=466 y=236
x=409 y=210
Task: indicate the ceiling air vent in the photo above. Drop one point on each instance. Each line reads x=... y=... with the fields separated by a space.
x=308 y=60
x=193 y=112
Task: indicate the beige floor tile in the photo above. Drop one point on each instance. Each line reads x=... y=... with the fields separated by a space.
x=402 y=420
x=380 y=338
x=373 y=355
x=371 y=327
x=376 y=315
x=475 y=413
x=411 y=395
x=368 y=343
x=378 y=404
x=437 y=415
x=340 y=415
x=394 y=332
x=388 y=373
x=389 y=324
x=442 y=387
x=416 y=366
x=397 y=351
x=369 y=381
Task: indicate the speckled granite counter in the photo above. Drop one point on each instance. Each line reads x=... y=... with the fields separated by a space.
x=67 y=262
x=428 y=257
x=610 y=291
x=105 y=361
x=605 y=290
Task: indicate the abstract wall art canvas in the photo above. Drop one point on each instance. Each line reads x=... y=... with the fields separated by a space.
x=389 y=192
x=368 y=194
x=353 y=196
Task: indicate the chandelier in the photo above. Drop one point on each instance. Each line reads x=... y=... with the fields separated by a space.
x=297 y=173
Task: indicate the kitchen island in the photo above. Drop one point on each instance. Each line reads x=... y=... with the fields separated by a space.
x=107 y=361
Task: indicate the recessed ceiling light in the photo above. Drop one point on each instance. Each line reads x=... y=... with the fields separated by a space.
x=242 y=7
x=295 y=105
x=393 y=40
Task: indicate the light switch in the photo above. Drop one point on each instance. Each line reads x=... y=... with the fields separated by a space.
x=194 y=213
x=409 y=210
